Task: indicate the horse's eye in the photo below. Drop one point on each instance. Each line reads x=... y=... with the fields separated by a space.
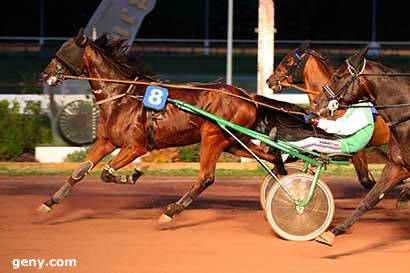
x=338 y=76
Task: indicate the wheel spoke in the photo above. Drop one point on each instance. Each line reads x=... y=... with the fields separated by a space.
x=304 y=224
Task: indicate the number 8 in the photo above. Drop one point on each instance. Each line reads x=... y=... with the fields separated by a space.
x=155 y=97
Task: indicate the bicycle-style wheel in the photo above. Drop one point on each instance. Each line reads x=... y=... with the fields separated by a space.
x=77 y=122
x=268 y=180
x=299 y=224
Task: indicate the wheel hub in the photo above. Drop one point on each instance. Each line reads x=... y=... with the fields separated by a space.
x=299 y=209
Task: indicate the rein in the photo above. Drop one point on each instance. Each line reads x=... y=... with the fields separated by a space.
x=387 y=74
x=115 y=97
x=355 y=74
x=385 y=106
x=304 y=90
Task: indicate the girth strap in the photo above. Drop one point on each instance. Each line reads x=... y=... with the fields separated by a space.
x=150 y=130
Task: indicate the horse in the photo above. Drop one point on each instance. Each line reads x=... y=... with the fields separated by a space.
x=389 y=90
x=305 y=65
x=126 y=124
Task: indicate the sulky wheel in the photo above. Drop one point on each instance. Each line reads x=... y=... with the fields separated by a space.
x=268 y=181
x=78 y=121
x=303 y=224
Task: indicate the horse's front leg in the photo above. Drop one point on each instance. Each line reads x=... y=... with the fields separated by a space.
x=391 y=175
x=359 y=161
x=211 y=148
x=124 y=157
x=98 y=151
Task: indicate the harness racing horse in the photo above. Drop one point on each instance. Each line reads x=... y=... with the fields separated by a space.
x=125 y=123
x=389 y=90
x=305 y=65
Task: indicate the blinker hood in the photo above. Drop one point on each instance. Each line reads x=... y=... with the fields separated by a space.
x=71 y=56
x=297 y=71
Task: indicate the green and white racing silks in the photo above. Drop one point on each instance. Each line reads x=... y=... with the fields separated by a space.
x=355 y=127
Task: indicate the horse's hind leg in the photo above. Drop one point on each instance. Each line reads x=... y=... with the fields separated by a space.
x=359 y=161
x=124 y=157
x=391 y=175
x=211 y=148
x=99 y=150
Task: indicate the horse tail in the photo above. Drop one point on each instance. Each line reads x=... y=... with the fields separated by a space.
x=290 y=127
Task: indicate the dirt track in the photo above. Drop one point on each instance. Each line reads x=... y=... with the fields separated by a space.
x=113 y=228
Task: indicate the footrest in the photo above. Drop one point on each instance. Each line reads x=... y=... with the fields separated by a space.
x=336 y=156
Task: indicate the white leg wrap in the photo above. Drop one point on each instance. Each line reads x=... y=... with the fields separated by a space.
x=82 y=171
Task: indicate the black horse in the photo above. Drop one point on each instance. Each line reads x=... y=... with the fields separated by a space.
x=388 y=89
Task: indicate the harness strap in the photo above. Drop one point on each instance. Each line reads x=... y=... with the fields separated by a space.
x=384 y=106
x=115 y=97
x=400 y=120
x=390 y=123
x=185 y=87
x=150 y=129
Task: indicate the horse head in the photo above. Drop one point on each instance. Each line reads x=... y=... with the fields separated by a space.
x=68 y=59
x=345 y=85
x=290 y=69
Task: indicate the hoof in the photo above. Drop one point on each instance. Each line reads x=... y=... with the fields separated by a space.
x=403 y=201
x=164 y=218
x=327 y=238
x=137 y=174
x=403 y=204
x=43 y=208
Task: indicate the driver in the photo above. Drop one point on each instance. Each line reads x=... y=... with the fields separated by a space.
x=355 y=129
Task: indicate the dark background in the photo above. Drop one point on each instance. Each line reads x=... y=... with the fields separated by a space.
x=295 y=19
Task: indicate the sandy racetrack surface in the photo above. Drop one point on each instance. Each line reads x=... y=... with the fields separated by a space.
x=114 y=228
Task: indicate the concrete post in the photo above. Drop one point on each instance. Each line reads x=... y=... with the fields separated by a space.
x=266 y=29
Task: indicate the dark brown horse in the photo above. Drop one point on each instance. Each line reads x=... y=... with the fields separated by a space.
x=125 y=123
x=305 y=65
x=389 y=90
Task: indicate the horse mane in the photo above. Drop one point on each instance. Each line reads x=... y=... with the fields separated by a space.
x=325 y=61
x=388 y=68
x=402 y=73
x=117 y=51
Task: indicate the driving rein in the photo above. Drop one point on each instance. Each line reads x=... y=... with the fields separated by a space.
x=334 y=97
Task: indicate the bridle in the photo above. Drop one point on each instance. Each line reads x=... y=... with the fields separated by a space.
x=70 y=57
x=295 y=70
x=334 y=97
